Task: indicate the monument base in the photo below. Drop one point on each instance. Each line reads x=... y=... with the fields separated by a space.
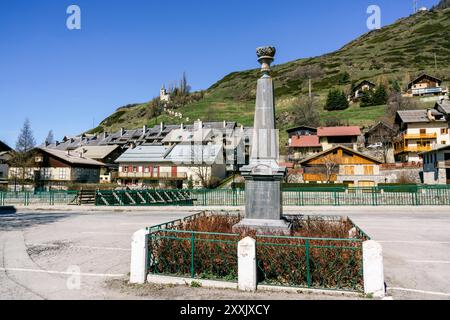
x=262 y=226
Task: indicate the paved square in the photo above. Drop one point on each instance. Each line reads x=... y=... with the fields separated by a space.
x=38 y=250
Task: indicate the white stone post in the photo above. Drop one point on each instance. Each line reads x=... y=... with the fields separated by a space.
x=247 y=280
x=139 y=257
x=373 y=269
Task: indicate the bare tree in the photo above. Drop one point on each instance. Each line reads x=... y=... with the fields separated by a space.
x=396 y=103
x=305 y=112
x=50 y=138
x=330 y=163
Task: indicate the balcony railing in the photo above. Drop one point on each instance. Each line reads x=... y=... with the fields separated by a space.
x=413 y=149
x=427 y=91
x=150 y=175
x=420 y=136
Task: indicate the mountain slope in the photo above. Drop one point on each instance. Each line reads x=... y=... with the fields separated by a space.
x=396 y=52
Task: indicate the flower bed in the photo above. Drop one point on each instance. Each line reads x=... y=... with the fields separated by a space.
x=318 y=254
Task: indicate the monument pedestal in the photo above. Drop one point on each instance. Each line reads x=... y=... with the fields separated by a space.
x=263 y=200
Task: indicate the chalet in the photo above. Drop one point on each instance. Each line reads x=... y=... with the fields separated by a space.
x=176 y=165
x=436 y=166
x=380 y=133
x=5 y=156
x=301 y=131
x=301 y=147
x=420 y=131
x=106 y=155
x=360 y=88
x=49 y=168
x=342 y=165
x=425 y=85
x=344 y=136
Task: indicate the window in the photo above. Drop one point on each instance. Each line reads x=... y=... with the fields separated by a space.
x=155 y=171
x=444 y=131
x=443 y=142
x=62 y=173
x=134 y=169
x=125 y=169
x=423 y=131
x=349 y=170
x=368 y=170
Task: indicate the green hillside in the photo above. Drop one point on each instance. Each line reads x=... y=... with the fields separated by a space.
x=396 y=52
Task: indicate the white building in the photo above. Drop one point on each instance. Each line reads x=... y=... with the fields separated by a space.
x=420 y=131
x=436 y=166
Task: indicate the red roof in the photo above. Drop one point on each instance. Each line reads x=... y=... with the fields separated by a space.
x=338 y=131
x=288 y=165
x=305 y=141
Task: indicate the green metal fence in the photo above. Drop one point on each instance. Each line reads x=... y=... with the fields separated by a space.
x=317 y=263
x=25 y=198
x=197 y=255
x=340 y=196
x=332 y=264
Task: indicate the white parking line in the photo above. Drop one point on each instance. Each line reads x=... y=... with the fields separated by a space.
x=421 y=291
x=109 y=233
x=81 y=247
x=414 y=242
x=61 y=272
x=430 y=261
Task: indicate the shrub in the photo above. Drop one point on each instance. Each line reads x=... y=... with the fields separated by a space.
x=336 y=100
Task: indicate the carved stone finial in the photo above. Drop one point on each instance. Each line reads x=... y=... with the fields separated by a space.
x=265 y=57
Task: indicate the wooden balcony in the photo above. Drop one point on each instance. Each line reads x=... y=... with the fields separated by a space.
x=404 y=149
x=420 y=136
x=316 y=177
x=151 y=176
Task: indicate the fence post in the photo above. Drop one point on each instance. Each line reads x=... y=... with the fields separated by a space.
x=308 y=267
x=247 y=280
x=192 y=255
x=139 y=257
x=373 y=272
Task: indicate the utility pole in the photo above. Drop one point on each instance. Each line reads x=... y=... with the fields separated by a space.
x=310 y=89
x=435 y=62
x=415 y=5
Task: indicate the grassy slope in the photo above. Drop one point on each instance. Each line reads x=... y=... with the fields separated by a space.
x=405 y=47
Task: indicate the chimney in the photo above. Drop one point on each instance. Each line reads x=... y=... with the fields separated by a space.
x=122 y=131
x=144 y=130
x=68 y=152
x=182 y=126
x=430 y=115
x=161 y=129
x=198 y=124
x=105 y=135
x=224 y=124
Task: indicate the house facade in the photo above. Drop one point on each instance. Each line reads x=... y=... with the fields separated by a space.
x=5 y=156
x=436 y=166
x=53 y=169
x=420 y=131
x=330 y=137
x=425 y=84
x=342 y=165
x=172 y=166
x=360 y=88
x=301 y=147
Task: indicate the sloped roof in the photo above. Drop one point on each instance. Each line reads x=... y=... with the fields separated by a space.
x=362 y=83
x=380 y=124
x=96 y=152
x=441 y=148
x=443 y=106
x=338 y=131
x=416 y=116
x=4 y=146
x=72 y=157
x=144 y=154
x=196 y=154
x=422 y=76
x=304 y=142
x=320 y=154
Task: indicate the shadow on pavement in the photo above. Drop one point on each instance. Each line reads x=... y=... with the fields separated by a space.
x=15 y=221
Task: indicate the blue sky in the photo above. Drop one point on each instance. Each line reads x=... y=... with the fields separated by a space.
x=65 y=79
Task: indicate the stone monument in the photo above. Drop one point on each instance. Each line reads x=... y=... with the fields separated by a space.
x=263 y=176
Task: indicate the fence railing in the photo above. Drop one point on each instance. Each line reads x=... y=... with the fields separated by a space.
x=333 y=264
x=197 y=255
x=25 y=198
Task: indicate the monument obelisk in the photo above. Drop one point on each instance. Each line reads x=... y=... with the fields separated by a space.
x=263 y=176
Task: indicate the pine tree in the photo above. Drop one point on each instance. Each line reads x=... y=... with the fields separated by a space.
x=336 y=100
x=50 y=138
x=25 y=141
